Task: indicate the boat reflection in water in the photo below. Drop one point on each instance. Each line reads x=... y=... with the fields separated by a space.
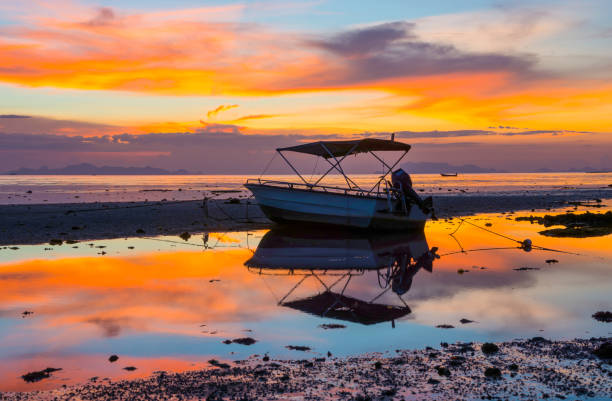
x=342 y=255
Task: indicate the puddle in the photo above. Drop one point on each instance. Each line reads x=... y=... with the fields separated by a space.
x=170 y=304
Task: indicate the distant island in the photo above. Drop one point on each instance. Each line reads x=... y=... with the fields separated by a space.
x=90 y=169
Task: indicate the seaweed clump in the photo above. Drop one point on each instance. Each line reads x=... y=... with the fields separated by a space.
x=576 y=225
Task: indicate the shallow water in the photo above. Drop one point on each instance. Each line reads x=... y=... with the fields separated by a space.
x=118 y=188
x=167 y=304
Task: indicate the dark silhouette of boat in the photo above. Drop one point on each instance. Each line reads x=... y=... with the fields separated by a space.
x=448 y=174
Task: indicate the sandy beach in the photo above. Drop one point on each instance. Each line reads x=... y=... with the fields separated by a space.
x=522 y=370
x=40 y=223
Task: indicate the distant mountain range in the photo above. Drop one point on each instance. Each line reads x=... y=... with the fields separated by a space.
x=90 y=169
x=434 y=168
x=410 y=167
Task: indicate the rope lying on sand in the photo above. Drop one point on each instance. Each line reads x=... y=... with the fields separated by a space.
x=525 y=245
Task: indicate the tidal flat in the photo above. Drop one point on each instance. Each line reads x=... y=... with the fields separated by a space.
x=300 y=314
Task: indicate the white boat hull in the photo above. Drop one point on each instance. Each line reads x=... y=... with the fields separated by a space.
x=282 y=204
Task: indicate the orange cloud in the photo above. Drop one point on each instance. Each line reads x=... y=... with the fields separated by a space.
x=189 y=52
x=223 y=107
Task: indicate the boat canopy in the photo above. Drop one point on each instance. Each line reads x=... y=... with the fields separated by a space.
x=332 y=149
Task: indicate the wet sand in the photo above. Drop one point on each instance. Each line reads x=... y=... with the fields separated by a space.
x=522 y=370
x=37 y=224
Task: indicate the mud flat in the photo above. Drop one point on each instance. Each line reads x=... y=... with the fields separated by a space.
x=518 y=370
x=37 y=224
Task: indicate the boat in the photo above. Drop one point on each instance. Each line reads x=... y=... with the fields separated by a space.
x=448 y=174
x=336 y=258
x=381 y=207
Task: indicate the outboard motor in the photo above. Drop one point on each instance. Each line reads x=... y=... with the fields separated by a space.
x=401 y=180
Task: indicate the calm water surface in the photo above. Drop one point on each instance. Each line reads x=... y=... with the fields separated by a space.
x=167 y=304
x=82 y=188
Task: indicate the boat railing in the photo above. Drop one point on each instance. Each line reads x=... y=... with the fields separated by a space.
x=388 y=192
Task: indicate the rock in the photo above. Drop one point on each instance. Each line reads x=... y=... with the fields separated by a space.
x=493 y=373
x=466 y=321
x=113 y=358
x=56 y=241
x=489 y=348
x=140 y=231
x=244 y=341
x=266 y=358
x=551 y=261
x=520 y=269
x=130 y=368
x=445 y=326
x=218 y=364
x=185 y=236
x=228 y=342
x=32 y=377
x=604 y=351
x=377 y=365
x=513 y=367
x=443 y=371
x=433 y=381
x=297 y=347
x=328 y=326
x=602 y=316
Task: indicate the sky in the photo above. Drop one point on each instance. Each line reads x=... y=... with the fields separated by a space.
x=513 y=85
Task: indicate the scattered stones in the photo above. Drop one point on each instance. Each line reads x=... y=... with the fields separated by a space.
x=113 y=358
x=560 y=369
x=602 y=316
x=489 y=348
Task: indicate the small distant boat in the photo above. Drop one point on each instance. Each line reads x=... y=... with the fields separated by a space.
x=448 y=174
x=381 y=207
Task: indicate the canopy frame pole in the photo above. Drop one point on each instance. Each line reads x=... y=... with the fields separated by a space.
x=332 y=165
x=291 y=165
x=338 y=166
x=389 y=170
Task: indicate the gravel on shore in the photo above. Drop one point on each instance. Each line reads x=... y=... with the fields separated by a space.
x=518 y=370
x=37 y=224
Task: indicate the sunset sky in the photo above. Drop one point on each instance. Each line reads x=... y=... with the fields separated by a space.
x=214 y=86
